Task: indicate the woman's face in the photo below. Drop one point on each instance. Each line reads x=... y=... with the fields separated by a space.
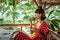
x=37 y=15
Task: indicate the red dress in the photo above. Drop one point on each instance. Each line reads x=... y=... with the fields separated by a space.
x=43 y=28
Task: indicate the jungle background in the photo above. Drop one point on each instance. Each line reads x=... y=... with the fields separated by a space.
x=19 y=12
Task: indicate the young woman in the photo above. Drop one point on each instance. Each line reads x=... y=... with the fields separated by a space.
x=39 y=30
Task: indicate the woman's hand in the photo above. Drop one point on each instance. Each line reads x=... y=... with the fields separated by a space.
x=34 y=29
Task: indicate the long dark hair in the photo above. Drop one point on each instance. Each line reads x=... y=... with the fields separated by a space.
x=42 y=12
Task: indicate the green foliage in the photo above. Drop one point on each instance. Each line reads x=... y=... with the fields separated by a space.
x=52 y=27
x=1 y=20
x=26 y=17
x=53 y=21
x=50 y=13
x=8 y=13
x=16 y=14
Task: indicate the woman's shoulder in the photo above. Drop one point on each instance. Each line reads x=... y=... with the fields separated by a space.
x=44 y=23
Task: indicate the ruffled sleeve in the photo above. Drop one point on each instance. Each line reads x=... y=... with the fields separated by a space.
x=44 y=28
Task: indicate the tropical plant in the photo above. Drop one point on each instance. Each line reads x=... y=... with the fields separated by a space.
x=53 y=21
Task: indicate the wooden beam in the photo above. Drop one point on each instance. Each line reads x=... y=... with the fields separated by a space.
x=15 y=24
x=51 y=3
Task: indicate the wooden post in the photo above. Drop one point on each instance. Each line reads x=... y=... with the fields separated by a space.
x=30 y=22
x=30 y=25
x=21 y=29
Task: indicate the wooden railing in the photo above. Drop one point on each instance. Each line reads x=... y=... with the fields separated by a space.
x=51 y=35
x=15 y=24
x=20 y=25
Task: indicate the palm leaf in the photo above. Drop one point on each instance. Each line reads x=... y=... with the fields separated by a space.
x=58 y=20
x=50 y=13
x=55 y=24
x=52 y=27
